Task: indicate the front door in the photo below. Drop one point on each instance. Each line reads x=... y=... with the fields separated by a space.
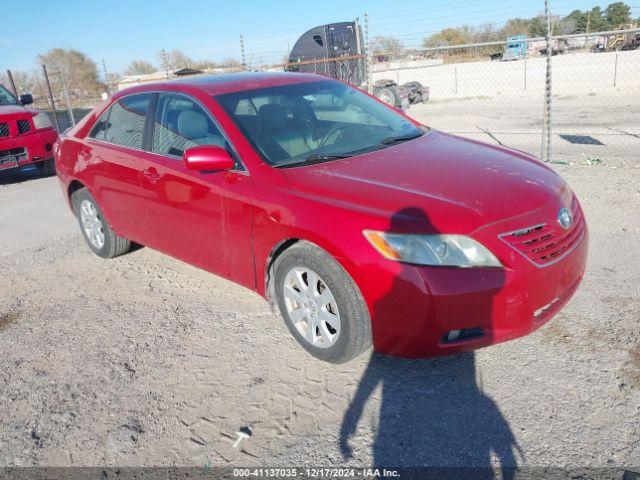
x=203 y=218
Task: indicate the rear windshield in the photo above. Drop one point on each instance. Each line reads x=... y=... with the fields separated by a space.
x=307 y=122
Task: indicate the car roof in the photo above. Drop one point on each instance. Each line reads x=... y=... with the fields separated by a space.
x=231 y=82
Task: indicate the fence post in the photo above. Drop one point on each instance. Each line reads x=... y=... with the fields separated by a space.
x=615 y=71
x=13 y=85
x=547 y=117
x=53 y=103
x=455 y=73
x=65 y=92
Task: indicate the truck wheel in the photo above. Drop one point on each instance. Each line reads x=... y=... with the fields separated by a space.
x=47 y=167
x=388 y=96
x=95 y=230
x=321 y=305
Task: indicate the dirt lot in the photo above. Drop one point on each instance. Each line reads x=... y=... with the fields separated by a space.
x=143 y=360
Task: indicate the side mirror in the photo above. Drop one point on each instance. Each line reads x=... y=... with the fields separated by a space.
x=208 y=157
x=26 y=99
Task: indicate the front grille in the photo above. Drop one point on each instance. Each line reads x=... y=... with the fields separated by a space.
x=543 y=244
x=12 y=152
x=23 y=126
x=4 y=129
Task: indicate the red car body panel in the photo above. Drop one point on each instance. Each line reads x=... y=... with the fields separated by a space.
x=231 y=223
x=36 y=144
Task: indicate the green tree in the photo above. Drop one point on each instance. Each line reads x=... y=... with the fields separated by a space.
x=450 y=36
x=80 y=72
x=516 y=26
x=617 y=14
x=538 y=26
x=140 y=67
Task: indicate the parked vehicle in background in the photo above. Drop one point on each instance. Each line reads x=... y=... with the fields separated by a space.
x=26 y=136
x=336 y=50
x=361 y=224
x=515 y=49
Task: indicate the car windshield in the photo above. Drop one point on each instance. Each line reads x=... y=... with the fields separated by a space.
x=6 y=98
x=314 y=122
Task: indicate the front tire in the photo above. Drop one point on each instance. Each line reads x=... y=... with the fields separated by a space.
x=95 y=230
x=321 y=305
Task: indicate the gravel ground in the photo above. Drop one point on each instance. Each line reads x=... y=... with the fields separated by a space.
x=143 y=360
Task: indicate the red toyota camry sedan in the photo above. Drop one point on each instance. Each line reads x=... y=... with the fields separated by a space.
x=362 y=225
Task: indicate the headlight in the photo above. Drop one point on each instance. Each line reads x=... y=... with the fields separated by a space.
x=443 y=250
x=41 y=120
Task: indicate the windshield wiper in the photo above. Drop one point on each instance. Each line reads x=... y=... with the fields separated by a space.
x=320 y=157
x=390 y=140
x=313 y=158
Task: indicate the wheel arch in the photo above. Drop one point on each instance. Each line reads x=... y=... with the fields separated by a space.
x=277 y=250
x=283 y=245
x=73 y=187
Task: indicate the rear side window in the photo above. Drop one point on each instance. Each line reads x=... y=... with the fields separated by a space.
x=181 y=123
x=123 y=124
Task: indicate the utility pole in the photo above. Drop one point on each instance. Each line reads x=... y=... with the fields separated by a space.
x=165 y=61
x=588 y=21
x=242 y=56
x=106 y=77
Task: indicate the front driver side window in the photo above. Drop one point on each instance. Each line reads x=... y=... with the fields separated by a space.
x=181 y=123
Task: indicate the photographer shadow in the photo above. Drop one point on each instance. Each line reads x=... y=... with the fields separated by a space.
x=433 y=413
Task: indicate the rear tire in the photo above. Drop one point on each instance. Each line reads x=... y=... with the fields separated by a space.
x=95 y=230
x=327 y=315
x=47 y=167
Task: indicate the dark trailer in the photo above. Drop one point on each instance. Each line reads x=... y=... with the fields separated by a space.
x=335 y=50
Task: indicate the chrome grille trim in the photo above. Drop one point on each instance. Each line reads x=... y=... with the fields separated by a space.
x=547 y=244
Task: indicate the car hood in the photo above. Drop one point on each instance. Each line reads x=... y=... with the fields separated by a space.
x=8 y=111
x=459 y=184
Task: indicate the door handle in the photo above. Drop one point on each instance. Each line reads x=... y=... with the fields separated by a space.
x=152 y=174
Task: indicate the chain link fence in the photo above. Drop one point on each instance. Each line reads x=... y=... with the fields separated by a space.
x=495 y=91
x=490 y=93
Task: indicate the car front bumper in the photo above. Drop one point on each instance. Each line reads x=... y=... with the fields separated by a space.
x=413 y=308
x=23 y=150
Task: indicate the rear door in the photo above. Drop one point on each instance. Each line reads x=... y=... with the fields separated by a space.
x=110 y=158
x=203 y=218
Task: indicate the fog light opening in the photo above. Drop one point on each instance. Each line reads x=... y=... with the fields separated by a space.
x=48 y=147
x=462 y=334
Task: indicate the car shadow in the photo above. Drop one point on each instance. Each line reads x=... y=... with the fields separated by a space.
x=20 y=175
x=433 y=412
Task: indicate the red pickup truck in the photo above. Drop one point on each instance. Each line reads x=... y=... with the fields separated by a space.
x=26 y=136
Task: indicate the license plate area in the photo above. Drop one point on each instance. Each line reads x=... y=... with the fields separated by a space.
x=11 y=158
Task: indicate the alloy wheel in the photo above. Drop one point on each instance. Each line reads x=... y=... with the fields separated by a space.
x=312 y=308
x=92 y=224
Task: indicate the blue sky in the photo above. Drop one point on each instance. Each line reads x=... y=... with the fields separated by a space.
x=119 y=31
